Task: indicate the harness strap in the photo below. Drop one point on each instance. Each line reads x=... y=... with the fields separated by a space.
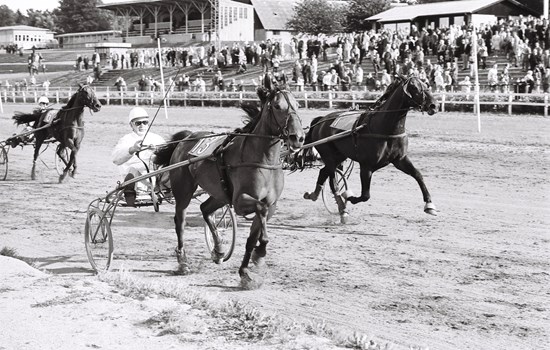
x=255 y=165
x=381 y=136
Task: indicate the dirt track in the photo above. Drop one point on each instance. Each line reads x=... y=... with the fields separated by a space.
x=474 y=277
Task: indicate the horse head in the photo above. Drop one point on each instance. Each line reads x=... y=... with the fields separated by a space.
x=420 y=95
x=87 y=97
x=281 y=107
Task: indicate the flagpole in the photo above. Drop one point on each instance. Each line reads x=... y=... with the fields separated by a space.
x=162 y=79
x=476 y=77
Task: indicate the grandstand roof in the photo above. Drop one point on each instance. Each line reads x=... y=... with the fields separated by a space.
x=23 y=27
x=409 y=13
x=138 y=3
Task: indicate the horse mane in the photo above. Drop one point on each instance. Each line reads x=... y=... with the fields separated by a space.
x=71 y=101
x=398 y=80
x=164 y=153
x=252 y=117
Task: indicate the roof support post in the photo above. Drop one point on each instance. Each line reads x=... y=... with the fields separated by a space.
x=185 y=8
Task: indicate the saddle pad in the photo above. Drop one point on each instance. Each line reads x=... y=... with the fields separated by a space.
x=207 y=146
x=345 y=121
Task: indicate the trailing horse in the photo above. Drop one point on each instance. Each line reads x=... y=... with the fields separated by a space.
x=244 y=171
x=66 y=126
x=375 y=139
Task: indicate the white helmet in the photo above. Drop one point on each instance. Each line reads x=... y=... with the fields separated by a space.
x=137 y=112
x=43 y=99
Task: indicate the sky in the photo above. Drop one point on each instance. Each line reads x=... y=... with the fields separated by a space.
x=42 y=5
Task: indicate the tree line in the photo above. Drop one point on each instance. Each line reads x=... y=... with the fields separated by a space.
x=71 y=16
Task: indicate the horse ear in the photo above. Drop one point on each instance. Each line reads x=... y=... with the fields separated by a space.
x=262 y=94
x=267 y=82
x=79 y=86
x=406 y=88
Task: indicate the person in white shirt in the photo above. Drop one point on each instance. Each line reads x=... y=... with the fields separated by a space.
x=125 y=154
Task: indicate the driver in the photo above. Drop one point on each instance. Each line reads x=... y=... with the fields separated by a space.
x=125 y=154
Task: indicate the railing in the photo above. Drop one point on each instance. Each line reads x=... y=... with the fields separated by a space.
x=537 y=103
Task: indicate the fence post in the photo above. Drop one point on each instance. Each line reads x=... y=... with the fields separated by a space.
x=545 y=105
x=185 y=99
x=24 y=96
x=137 y=98
x=108 y=96
x=13 y=91
x=152 y=97
x=57 y=96
x=305 y=99
x=221 y=104
x=330 y=99
x=35 y=97
x=202 y=99
x=353 y=100
x=443 y=98
x=510 y=104
x=121 y=97
x=240 y=97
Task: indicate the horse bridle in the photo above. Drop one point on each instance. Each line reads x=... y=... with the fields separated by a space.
x=284 y=134
x=422 y=103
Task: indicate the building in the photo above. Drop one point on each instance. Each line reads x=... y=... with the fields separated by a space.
x=443 y=14
x=80 y=40
x=178 y=21
x=26 y=37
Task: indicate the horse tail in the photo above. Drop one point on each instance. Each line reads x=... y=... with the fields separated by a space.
x=164 y=153
x=24 y=118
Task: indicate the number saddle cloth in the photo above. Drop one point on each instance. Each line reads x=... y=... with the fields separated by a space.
x=346 y=121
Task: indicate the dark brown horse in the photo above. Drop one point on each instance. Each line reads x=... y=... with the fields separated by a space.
x=377 y=139
x=245 y=172
x=67 y=127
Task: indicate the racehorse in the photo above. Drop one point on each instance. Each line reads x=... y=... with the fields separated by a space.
x=245 y=172
x=66 y=126
x=376 y=138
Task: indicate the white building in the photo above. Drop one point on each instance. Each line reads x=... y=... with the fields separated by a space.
x=26 y=36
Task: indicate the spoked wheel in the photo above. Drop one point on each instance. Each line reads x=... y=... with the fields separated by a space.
x=61 y=163
x=98 y=239
x=226 y=223
x=3 y=163
x=328 y=197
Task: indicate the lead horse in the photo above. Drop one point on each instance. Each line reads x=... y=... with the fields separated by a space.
x=67 y=127
x=245 y=172
x=376 y=139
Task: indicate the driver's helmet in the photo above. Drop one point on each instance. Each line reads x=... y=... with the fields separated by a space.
x=137 y=112
x=43 y=100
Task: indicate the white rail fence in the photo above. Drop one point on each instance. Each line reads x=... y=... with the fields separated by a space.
x=536 y=103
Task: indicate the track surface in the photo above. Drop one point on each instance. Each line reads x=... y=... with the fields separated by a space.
x=474 y=277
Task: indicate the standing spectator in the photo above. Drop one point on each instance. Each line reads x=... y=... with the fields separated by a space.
x=46 y=85
x=492 y=77
x=465 y=85
x=86 y=62
x=358 y=75
x=505 y=79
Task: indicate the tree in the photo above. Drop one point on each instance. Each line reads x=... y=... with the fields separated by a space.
x=7 y=16
x=359 y=10
x=317 y=17
x=74 y=16
x=41 y=19
x=20 y=18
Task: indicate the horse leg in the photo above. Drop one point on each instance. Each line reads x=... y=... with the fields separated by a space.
x=183 y=190
x=339 y=199
x=366 y=176
x=248 y=279
x=324 y=173
x=207 y=208
x=72 y=159
x=37 y=146
x=260 y=251
x=405 y=165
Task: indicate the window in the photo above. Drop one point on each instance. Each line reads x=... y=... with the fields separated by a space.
x=245 y=12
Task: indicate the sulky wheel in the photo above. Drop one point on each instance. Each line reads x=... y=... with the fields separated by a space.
x=98 y=239
x=61 y=162
x=3 y=163
x=328 y=197
x=226 y=222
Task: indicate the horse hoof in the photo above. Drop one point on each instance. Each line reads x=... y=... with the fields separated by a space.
x=344 y=218
x=347 y=194
x=250 y=281
x=429 y=208
x=310 y=196
x=257 y=260
x=183 y=270
x=353 y=200
x=217 y=257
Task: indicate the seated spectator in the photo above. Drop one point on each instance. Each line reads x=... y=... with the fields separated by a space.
x=529 y=81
